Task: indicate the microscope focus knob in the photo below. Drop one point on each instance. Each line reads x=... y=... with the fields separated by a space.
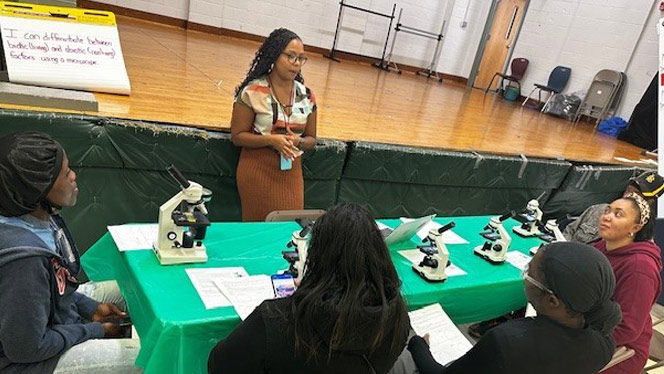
x=171 y=235
x=497 y=247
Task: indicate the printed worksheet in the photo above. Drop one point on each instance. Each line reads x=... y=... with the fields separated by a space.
x=203 y=281
x=446 y=342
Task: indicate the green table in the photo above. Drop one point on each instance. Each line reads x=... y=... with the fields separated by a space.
x=177 y=332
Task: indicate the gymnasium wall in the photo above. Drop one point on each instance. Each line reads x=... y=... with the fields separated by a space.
x=121 y=174
x=315 y=22
x=642 y=66
x=588 y=36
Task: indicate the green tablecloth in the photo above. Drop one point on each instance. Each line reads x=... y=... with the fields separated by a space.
x=177 y=332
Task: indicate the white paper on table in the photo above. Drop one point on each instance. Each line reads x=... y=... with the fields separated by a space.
x=446 y=342
x=61 y=54
x=211 y=295
x=134 y=237
x=382 y=226
x=415 y=256
x=246 y=293
x=449 y=236
x=530 y=310
x=518 y=259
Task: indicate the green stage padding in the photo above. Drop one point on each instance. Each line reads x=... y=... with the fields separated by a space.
x=587 y=185
x=390 y=163
x=120 y=166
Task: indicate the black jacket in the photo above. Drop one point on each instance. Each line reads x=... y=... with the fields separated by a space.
x=525 y=346
x=265 y=343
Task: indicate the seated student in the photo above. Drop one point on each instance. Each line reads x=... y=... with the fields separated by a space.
x=570 y=286
x=585 y=229
x=45 y=324
x=626 y=228
x=347 y=315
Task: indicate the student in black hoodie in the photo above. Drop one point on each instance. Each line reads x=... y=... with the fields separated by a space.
x=45 y=324
x=347 y=315
x=570 y=285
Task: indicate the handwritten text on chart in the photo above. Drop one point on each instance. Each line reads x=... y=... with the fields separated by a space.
x=57 y=48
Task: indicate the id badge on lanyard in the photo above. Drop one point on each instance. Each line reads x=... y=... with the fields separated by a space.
x=285 y=164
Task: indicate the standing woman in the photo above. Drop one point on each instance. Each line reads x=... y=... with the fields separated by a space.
x=626 y=228
x=274 y=120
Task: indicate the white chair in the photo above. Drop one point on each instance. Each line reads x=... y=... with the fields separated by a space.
x=292 y=215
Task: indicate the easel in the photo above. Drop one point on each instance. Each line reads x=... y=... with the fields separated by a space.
x=336 y=33
x=430 y=71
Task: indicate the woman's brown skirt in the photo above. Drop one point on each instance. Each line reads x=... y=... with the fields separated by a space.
x=264 y=187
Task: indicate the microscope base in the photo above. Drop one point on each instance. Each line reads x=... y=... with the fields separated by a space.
x=525 y=233
x=481 y=253
x=180 y=256
x=429 y=277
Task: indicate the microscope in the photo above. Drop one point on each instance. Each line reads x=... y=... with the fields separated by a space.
x=496 y=252
x=529 y=219
x=550 y=233
x=297 y=257
x=183 y=223
x=436 y=256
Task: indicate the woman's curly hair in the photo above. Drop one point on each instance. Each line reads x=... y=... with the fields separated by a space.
x=267 y=55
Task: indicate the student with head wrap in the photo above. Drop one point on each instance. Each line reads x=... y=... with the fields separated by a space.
x=570 y=286
x=585 y=229
x=626 y=228
x=45 y=324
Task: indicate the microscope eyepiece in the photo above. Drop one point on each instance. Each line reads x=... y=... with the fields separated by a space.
x=177 y=175
x=506 y=216
x=305 y=231
x=446 y=227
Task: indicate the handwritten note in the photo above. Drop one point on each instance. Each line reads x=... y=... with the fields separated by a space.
x=446 y=341
x=64 y=54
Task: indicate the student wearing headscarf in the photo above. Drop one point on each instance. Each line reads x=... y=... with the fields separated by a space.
x=570 y=286
x=46 y=326
x=626 y=228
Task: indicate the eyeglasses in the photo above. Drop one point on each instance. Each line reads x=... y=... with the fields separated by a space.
x=535 y=282
x=292 y=58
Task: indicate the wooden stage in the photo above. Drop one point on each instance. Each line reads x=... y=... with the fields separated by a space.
x=188 y=77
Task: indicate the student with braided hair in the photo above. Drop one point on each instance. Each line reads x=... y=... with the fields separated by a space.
x=626 y=228
x=274 y=120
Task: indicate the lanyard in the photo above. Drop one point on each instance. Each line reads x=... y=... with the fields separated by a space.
x=275 y=111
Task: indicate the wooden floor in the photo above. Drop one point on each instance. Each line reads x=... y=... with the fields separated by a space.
x=188 y=77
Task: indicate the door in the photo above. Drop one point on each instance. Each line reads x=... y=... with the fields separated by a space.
x=504 y=28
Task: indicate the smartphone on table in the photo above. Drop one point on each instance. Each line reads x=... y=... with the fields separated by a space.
x=283 y=285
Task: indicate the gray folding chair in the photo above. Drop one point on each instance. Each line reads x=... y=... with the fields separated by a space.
x=599 y=99
x=656 y=351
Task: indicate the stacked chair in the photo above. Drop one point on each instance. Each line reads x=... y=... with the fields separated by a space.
x=603 y=96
